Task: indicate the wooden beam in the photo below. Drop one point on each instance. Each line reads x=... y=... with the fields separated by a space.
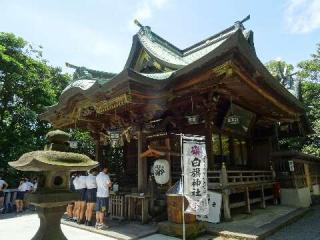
x=262 y=92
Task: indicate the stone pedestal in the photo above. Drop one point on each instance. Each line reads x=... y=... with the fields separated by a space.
x=193 y=230
x=50 y=228
x=50 y=208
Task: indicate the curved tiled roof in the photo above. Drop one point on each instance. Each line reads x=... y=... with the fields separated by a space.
x=173 y=56
x=182 y=62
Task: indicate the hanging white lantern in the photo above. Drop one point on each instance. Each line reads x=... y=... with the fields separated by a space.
x=161 y=171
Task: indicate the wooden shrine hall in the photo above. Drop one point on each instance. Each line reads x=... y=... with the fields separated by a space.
x=217 y=88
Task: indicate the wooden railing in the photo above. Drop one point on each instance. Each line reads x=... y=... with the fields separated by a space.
x=234 y=178
x=248 y=177
x=230 y=181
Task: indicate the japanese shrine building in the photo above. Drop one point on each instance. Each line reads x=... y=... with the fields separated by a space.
x=217 y=88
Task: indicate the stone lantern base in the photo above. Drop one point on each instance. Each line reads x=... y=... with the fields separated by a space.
x=50 y=228
x=50 y=208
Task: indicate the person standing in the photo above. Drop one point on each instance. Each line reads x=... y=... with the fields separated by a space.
x=71 y=205
x=35 y=184
x=29 y=188
x=80 y=181
x=76 y=208
x=3 y=186
x=91 y=185
x=102 y=204
x=23 y=187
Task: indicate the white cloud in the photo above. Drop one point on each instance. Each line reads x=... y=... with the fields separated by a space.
x=145 y=10
x=159 y=3
x=302 y=16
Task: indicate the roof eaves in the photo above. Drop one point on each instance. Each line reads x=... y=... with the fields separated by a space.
x=248 y=51
x=135 y=48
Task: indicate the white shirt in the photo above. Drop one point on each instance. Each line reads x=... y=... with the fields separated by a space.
x=29 y=185
x=103 y=182
x=91 y=182
x=76 y=183
x=82 y=182
x=2 y=183
x=23 y=187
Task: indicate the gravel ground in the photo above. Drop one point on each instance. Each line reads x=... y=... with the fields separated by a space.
x=307 y=228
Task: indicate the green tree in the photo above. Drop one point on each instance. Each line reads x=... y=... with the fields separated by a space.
x=85 y=142
x=308 y=75
x=310 y=69
x=309 y=72
x=27 y=85
x=282 y=71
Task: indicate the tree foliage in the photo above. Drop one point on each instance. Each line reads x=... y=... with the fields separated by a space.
x=85 y=142
x=308 y=74
x=310 y=69
x=27 y=85
x=281 y=70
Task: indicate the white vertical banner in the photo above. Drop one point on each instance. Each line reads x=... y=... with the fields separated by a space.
x=195 y=174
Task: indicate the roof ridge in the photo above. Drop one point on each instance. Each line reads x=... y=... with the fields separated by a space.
x=147 y=30
x=227 y=30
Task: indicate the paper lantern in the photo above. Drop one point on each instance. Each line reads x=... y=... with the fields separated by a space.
x=161 y=171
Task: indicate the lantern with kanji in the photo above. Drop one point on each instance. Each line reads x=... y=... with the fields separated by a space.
x=161 y=171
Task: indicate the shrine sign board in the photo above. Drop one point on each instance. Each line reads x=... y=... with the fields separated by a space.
x=195 y=174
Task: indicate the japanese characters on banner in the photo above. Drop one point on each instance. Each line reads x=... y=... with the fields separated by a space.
x=161 y=171
x=195 y=174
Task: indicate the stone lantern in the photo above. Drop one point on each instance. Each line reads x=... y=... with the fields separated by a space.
x=53 y=194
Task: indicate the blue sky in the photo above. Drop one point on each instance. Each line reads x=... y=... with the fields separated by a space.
x=98 y=33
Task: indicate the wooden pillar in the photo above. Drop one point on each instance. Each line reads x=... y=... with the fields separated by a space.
x=263 y=201
x=168 y=148
x=209 y=145
x=140 y=163
x=248 y=200
x=225 y=193
x=98 y=153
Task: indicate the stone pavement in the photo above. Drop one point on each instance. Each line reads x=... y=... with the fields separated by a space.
x=24 y=227
x=121 y=230
x=306 y=228
x=251 y=226
x=257 y=225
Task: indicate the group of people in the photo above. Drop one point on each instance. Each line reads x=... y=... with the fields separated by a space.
x=94 y=195
x=25 y=185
